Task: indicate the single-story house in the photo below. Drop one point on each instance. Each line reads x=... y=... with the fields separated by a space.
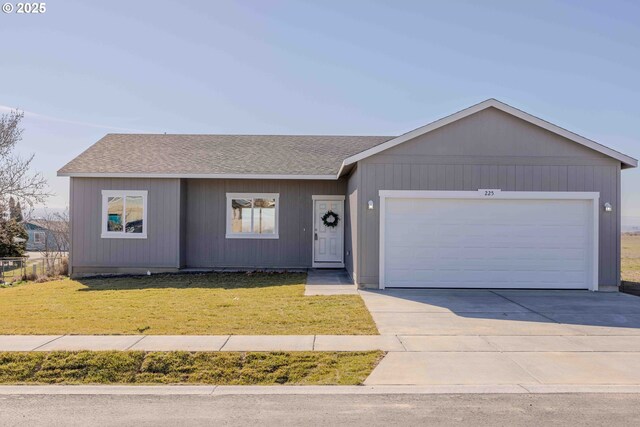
x=488 y=197
x=49 y=235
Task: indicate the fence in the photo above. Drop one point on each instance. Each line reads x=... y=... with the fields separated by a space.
x=13 y=269
x=19 y=268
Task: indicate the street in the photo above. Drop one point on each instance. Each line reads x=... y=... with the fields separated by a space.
x=326 y=410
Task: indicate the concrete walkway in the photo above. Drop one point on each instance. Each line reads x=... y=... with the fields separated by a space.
x=201 y=342
x=507 y=337
x=329 y=282
x=202 y=390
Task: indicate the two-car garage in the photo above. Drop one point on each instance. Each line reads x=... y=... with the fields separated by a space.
x=488 y=239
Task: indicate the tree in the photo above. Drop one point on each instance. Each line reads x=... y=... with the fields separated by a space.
x=15 y=210
x=12 y=207
x=16 y=182
x=18 y=214
x=57 y=241
x=13 y=238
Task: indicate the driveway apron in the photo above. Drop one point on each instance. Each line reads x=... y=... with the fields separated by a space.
x=453 y=337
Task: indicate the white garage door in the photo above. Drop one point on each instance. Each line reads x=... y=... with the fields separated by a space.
x=488 y=243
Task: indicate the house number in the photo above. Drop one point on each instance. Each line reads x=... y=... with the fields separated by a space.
x=488 y=192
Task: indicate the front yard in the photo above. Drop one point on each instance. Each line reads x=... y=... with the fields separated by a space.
x=189 y=304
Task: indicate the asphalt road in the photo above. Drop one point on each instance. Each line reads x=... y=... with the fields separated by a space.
x=310 y=410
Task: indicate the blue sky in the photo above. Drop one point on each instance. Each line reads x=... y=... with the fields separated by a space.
x=84 y=69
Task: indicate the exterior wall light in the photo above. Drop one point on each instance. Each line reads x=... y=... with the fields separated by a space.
x=370 y=205
x=608 y=207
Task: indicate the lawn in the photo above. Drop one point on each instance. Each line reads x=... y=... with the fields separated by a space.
x=631 y=257
x=137 y=367
x=188 y=304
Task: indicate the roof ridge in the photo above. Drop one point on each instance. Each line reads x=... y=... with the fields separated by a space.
x=251 y=134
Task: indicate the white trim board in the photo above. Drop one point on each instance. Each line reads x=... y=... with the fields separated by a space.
x=494 y=194
x=321 y=197
x=194 y=175
x=626 y=160
x=497 y=194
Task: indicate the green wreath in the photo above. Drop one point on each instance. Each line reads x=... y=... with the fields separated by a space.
x=330 y=219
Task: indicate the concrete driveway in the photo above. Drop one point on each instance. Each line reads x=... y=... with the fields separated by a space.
x=507 y=337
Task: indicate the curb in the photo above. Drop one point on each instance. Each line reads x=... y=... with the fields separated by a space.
x=186 y=390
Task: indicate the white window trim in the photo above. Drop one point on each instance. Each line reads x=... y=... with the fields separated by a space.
x=330 y=197
x=37 y=234
x=121 y=234
x=232 y=235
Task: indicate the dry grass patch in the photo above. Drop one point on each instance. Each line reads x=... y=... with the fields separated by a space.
x=188 y=304
x=631 y=257
x=137 y=367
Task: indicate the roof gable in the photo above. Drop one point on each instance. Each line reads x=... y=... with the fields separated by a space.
x=491 y=103
x=268 y=156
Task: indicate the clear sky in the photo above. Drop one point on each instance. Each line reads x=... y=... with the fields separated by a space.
x=83 y=69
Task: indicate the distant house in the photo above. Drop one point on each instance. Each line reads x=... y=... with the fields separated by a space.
x=489 y=197
x=46 y=234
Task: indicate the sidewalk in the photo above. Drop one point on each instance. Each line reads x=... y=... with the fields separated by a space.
x=208 y=390
x=201 y=342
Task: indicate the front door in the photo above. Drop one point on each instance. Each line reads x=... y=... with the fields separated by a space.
x=328 y=241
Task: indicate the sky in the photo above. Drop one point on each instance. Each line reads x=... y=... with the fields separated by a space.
x=83 y=69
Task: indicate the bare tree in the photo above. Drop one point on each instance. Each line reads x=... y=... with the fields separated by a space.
x=56 y=241
x=16 y=182
x=16 y=179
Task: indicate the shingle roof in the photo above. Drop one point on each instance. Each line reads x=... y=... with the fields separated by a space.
x=219 y=154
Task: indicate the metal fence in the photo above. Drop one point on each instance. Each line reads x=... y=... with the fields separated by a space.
x=13 y=269
x=21 y=268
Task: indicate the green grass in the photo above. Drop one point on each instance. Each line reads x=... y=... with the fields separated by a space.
x=222 y=368
x=631 y=258
x=189 y=304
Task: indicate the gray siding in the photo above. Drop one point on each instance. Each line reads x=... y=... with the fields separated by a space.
x=91 y=253
x=183 y=224
x=490 y=149
x=351 y=226
x=206 y=245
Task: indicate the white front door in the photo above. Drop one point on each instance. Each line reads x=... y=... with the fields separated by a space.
x=328 y=242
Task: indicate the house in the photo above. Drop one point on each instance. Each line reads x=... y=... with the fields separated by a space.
x=46 y=235
x=489 y=197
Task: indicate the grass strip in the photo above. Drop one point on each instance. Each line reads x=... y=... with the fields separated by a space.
x=182 y=367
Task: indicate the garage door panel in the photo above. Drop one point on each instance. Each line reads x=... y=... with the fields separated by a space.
x=407 y=232
x=453 y=264
x=503 y=252
x=488 y=243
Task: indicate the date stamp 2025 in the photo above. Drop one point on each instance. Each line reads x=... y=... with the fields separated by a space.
x=24 y=8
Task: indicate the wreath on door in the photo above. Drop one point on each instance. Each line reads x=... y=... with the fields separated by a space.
x=330 y=219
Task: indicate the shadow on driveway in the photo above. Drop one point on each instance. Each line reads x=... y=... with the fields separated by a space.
x=503 y=312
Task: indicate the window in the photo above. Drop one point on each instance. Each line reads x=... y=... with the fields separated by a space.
x=252 y=216
x=124 y=214
x=38 y=237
